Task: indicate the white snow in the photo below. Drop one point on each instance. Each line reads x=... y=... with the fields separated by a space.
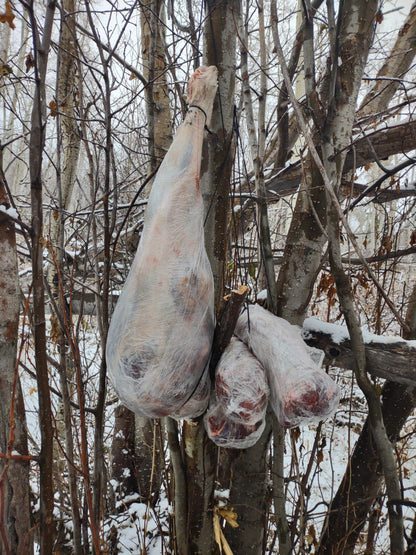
x=9 y=211
x=340 y=333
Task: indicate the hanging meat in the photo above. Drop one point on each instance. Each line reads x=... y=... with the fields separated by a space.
x=198 y=402
x=161 y=331
x=237 y=409
x=300 y=392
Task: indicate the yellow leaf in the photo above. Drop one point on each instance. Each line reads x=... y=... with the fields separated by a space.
x=219 y=535
x=227 y=548
x=217 y=532
x=229 y=515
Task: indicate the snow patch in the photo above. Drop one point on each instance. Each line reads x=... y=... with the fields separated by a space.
x=12 y=212
x=340 y=333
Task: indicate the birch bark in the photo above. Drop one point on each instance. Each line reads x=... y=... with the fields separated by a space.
x=15 y=519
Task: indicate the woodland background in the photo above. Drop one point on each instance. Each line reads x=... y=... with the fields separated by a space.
x=308 y=176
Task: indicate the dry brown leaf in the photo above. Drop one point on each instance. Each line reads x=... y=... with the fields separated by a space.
x=8 y=16
x=5 y=69
x=52 y=107
x=29 y=61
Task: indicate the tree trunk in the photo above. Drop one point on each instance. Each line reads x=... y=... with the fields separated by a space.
x=304 y=248
x=154 y=70
x=68 y=150
x=200 y=454
x=15 y=520
x=363 y=476
x=220 y=50
x=248 y=496
x=393 y=70
x=122 y=459
x=36 y=146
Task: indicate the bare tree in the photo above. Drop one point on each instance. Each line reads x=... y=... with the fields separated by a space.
x=316 y=188
x=15 y=516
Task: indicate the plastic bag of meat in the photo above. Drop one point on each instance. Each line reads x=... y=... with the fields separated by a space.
x=161 y=331
x=236 y=414
x=300 y=392
x=198 y=402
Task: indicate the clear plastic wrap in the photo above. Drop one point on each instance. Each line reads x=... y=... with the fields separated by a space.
x=237 y=409
x=198 y=402
x=300 y=392
x=160 y=336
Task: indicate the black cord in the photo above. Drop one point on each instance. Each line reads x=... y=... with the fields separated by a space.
x=205 y=114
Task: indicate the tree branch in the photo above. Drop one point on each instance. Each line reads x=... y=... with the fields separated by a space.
x=390 y=358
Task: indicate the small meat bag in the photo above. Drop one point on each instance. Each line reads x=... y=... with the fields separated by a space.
x=300 y=392
x=237 y=409
x=159 y=341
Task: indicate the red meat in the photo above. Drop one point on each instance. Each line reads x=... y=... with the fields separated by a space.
x=300 y=392
x=236 y=414
x=160 y=336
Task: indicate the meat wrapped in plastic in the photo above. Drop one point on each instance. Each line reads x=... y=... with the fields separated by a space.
x=160 y=336
x=300 y=392
x=236 y=414
x=198 y=402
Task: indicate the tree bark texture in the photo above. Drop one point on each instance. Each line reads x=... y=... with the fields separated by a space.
x=36 y=145
x=122 y=453
x=15 y=519
x=248 y=496
x=394 y=69
x=304 y=248
x=220 y=50
x=149 y=457
x=155 y=72
x=200 y=456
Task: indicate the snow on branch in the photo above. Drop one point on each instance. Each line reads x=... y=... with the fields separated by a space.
x=388 y=357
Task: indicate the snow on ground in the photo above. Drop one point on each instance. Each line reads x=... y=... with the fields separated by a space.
x=137 y=526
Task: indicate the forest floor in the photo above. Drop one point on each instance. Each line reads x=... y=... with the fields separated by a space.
x=139 y=528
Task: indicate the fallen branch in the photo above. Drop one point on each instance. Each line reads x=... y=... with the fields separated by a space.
x=380 y=145
x=390 y=358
